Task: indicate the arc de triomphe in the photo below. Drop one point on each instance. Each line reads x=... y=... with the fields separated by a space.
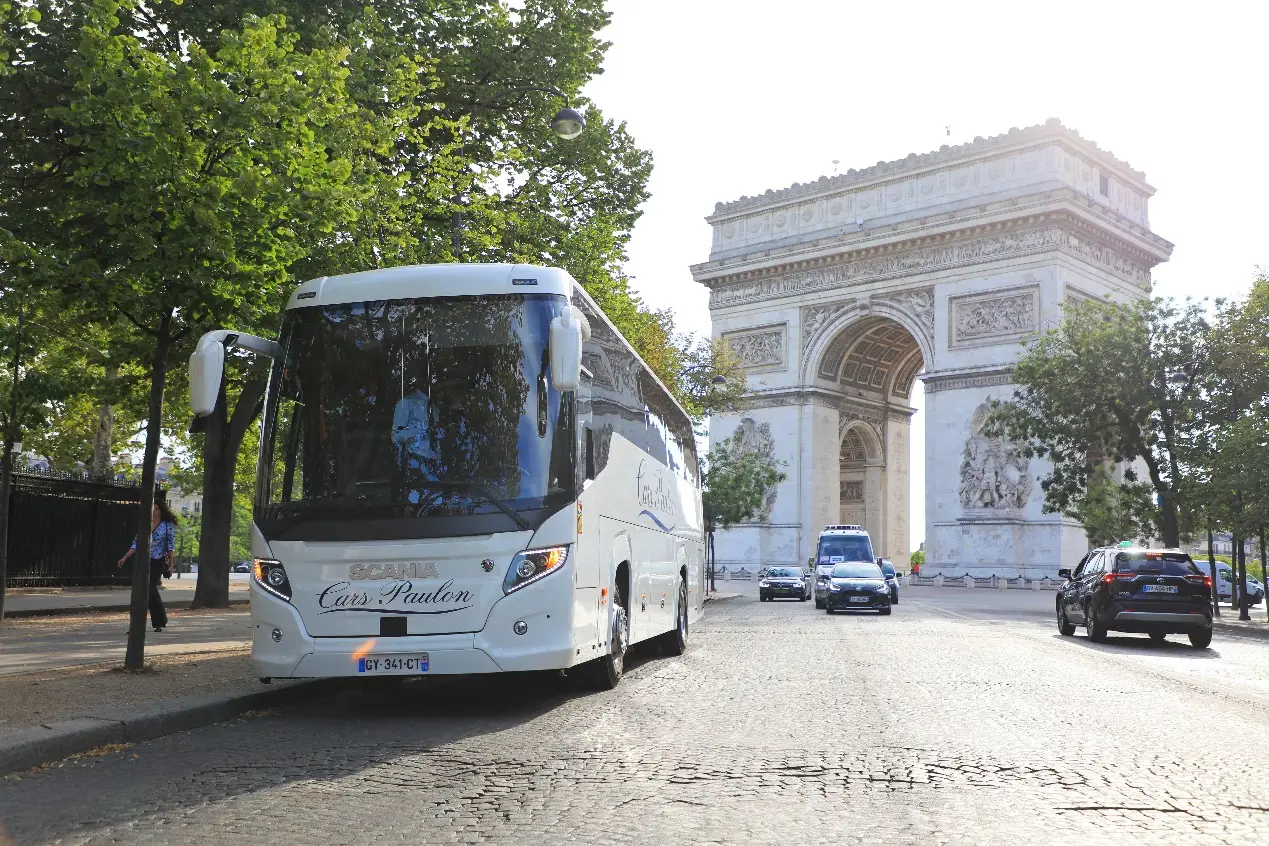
x=838 y=294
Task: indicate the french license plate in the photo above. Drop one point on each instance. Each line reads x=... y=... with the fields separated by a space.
x=859 y=599
x=1158 y=589
x=393 y=665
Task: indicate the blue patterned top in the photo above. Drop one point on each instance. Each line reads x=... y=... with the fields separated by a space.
x=162 y=541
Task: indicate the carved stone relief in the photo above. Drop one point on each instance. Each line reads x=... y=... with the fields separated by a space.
x=993 y=318
x=919 y=304
x=852 y=490
x=927 y=259
x=759 y=348
x=991 y=379
x=753 y=437
x=994 y=472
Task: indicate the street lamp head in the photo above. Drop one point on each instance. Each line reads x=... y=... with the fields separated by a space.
x=720 y=379
x=568 y=123
x=1177 y=379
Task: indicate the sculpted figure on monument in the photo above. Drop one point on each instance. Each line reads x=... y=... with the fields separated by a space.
x=754 y=437
x=994 y=472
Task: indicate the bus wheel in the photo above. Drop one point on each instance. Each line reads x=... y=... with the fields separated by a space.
x=605 y=673
x=674 y=642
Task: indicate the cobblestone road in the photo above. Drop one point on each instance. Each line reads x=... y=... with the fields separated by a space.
x=963 y=718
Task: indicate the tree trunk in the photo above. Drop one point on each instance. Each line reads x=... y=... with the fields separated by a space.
x=713 y=588
x=220 y=457
x=134 y=659
x=6 y=460
x=1234 y=541
x=1169 y=523
x=1244 y=609
x=104 y=437
x=1211 y=568
x=1264 y=571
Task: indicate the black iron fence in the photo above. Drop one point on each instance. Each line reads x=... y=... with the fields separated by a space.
x=66 y=530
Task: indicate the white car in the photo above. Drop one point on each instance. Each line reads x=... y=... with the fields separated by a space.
x=1224 y=582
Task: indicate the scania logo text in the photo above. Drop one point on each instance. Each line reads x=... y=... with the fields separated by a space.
x=406 y=570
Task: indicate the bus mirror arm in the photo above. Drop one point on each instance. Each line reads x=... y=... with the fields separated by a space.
x=207 y=365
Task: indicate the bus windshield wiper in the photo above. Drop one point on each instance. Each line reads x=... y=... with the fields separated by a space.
x=488 y=496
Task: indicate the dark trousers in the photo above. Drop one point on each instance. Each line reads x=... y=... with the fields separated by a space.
x=158 y=614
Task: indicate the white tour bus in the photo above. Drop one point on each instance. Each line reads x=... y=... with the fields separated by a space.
x=463 y=469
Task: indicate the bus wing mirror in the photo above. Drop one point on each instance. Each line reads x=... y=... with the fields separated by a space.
x=568 y=332
x=206 y=368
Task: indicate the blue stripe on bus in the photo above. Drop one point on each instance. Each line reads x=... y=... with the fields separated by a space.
x=653 y=518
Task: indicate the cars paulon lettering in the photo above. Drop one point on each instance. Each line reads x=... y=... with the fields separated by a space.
x=342 y=596
x=407 y=570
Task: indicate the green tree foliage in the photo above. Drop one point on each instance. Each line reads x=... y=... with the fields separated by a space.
x=1235 y=442
x=1113 y=511
x=704 y=364
x=736 y=481
x=1117 y=383
x=177 y=185
x=917 y=558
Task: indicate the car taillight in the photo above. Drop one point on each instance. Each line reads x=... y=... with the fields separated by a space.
x=1110 y=577
x=1205 y=580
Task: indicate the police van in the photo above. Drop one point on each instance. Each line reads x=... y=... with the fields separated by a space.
x=838 y=544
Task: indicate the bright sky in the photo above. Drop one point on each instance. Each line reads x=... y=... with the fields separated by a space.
x=737 y=97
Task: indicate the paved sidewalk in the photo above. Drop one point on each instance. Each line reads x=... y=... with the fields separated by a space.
x=61 y=691
x=49 y=643
x=177 y=593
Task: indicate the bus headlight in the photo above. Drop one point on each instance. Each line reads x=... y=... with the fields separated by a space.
x=271 y=575
x=533 y=564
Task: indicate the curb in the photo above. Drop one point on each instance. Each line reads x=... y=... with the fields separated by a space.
x=1247 y=631
x=30 y=747
x=92 y=609
x=722 y=597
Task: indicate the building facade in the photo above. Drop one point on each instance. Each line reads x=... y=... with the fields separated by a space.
x=837 y=295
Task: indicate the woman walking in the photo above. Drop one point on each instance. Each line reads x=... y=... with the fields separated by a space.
x=162 y=558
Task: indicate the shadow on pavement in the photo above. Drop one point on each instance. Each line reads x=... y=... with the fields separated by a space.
x=332 y=737
x=1176 y=646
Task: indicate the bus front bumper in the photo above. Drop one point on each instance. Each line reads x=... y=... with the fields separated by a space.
x=282 y=649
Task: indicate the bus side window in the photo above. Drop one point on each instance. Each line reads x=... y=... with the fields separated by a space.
x=590 y=453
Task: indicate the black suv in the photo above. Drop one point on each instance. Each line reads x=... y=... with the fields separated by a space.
x=1130 y=589
x=858 y=586
x=784 y=581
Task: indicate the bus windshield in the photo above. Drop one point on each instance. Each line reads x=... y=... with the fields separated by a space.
x=404 y=410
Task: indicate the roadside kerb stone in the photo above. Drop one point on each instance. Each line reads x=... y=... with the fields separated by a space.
x=71 y=610
x=30 y=747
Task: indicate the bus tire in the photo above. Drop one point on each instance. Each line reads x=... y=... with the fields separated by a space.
x=605 y=673
x=674 y=642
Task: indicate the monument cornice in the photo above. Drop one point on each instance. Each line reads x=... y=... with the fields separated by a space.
x=1151 y=248
x=1051 y=231
x=978 y=377
x=980 y=149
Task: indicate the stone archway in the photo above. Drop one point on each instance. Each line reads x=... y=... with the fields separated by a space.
x=838 y=294
x=872 y=362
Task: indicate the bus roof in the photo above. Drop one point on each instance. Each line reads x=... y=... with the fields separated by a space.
x=431 y=280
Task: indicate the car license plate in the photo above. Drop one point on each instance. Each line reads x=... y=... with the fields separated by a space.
x=1158 y=589
x=859 y=599
x=393 y=665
